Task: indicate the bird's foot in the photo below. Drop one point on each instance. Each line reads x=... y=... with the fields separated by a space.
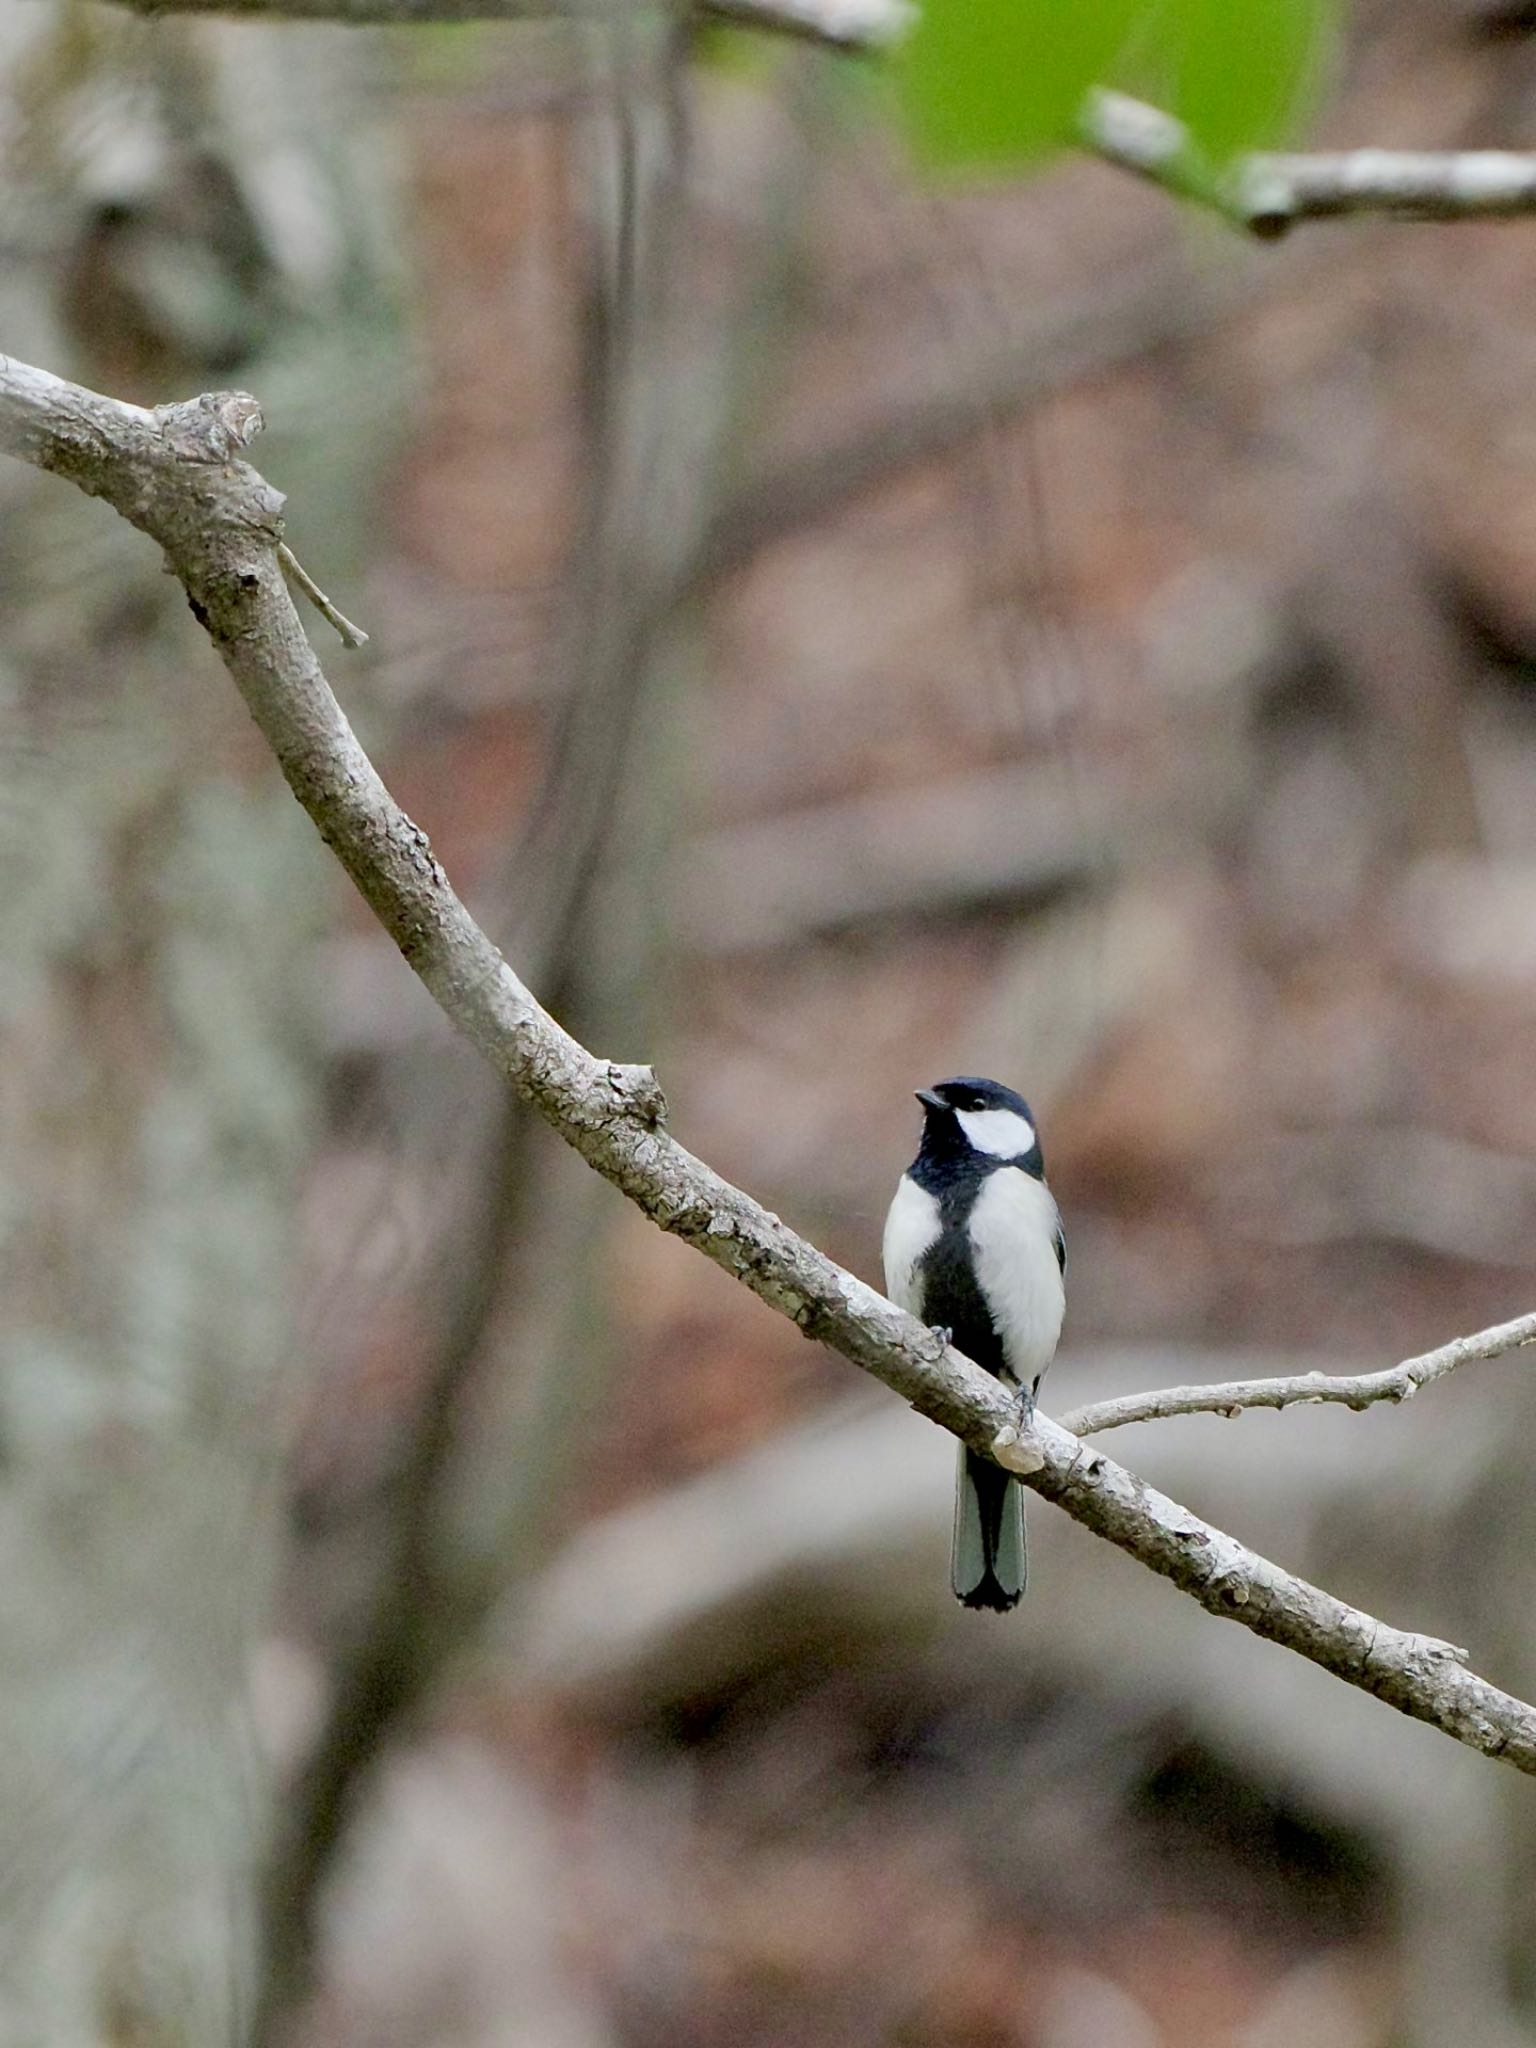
x=944 y=1333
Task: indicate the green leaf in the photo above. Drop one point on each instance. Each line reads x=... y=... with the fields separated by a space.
x=1002 y=82
x=1240 y=76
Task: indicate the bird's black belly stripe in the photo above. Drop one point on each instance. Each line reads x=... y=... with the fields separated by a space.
x=953 y=1301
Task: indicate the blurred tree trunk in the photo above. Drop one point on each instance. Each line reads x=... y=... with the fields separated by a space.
x=179 y=209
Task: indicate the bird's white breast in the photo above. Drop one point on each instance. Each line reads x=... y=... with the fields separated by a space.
x=911 y=1227
x=1013 y=1225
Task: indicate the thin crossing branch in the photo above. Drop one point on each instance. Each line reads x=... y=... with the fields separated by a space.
x=1350 y=1390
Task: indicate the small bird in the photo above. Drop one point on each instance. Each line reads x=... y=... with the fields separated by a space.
x=973 y=1246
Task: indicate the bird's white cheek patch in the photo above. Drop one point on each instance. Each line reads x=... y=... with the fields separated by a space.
x=1001 y=1132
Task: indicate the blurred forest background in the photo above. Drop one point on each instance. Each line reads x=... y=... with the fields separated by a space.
x=837 y=632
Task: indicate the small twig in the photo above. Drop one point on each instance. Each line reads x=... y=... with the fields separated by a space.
x=1267 y=193
x=347 y=633
x=1272 y=192
x=856 y=25
x=1350 y=1390
x=1156 y=146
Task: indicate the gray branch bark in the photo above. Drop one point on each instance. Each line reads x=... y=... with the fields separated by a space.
x=177 y=473
x=1268 y=193
x=840 y=24
x=1351 y=1390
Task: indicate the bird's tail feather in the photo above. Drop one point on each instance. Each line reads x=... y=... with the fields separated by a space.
x=989 y=1564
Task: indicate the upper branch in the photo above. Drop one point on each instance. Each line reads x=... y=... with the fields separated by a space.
x=176 y=473
x=1351 y=1390
x=842 y=24
x=1268 y=193
x=855 y=25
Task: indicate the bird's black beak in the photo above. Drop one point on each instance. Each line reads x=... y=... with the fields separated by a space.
x=929 y=1100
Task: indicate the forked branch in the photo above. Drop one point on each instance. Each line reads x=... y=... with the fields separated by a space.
x=177 y=474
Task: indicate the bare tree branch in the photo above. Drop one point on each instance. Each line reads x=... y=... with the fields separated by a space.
x=1265 y=192
x=176 y=474
x=844 y=24
x=1269 y=193
x=855 y=25
x=1413 y=184
x=1351 y=1390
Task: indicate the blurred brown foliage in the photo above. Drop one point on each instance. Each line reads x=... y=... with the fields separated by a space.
x=1013 y=630
x=1113 y=673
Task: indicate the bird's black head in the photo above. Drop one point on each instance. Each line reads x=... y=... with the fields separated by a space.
x=969 y=1116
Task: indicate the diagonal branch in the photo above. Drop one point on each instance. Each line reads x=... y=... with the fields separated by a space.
x=176 y=474
x=1351 y=1390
